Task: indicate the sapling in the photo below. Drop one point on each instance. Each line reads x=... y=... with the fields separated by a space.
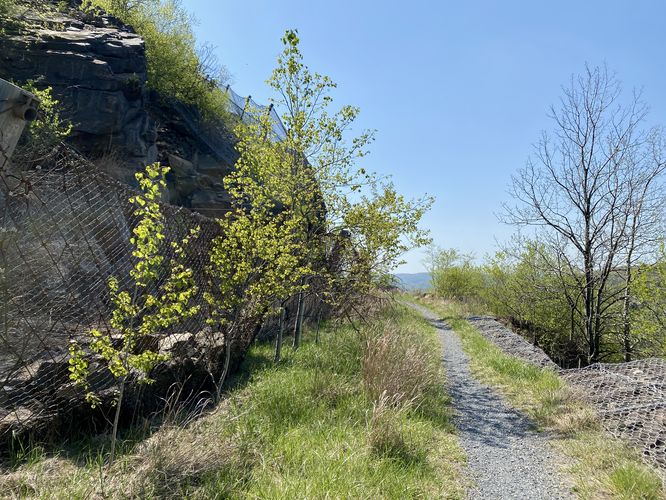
x=159 y=297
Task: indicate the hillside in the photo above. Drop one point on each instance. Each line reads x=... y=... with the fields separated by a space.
x=414 y=281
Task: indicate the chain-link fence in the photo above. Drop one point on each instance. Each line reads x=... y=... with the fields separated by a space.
x=64 y=230
x=630 y=398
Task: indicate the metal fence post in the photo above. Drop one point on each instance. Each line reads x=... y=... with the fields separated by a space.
x=17 y=107
x=247 y=103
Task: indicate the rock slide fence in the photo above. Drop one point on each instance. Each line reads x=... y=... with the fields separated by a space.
x=630 y=398
x=64 y=230
x=247 y=110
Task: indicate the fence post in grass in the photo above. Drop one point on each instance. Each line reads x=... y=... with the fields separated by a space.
x=278 y=341
x=17 y=107
x=298 y=326
x=318 y=325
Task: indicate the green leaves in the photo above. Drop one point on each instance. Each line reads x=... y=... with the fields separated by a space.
x=257 y=262
x=314 y=175
x=160 y=296
x=46 y=132
x=648 y=311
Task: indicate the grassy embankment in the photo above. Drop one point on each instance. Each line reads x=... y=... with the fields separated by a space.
x=361 y=415
x=599 y=465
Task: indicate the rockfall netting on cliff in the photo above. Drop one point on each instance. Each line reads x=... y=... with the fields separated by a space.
x=630 y=398
x=64 y=230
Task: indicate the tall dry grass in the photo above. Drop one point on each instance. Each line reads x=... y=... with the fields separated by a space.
x=397 y=367
x=399 y=370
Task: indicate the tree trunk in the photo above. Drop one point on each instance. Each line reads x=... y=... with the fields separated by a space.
x=116 y=419
x=626 y=323
x=589 y=316
x=225 y=370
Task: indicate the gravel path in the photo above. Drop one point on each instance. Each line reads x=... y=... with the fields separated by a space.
x=507 y=458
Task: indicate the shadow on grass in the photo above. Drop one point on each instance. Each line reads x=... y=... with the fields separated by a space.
x=86 y=440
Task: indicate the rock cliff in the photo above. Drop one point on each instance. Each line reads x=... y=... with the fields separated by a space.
x=96 y=67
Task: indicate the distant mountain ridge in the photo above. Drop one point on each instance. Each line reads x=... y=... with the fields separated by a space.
x=413 y=281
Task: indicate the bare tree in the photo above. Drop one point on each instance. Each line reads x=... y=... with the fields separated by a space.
x=586 y=190
x=646 y=209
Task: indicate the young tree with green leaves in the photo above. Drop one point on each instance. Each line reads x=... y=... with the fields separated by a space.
x=160 y=297
x=291 y=200
x=255 y=265
x=313 y=175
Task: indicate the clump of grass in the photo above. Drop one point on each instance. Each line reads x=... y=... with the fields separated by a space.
x=173 y=458
x=601 y=466
x=635 y=482
x=385 y=434
x=397 y=367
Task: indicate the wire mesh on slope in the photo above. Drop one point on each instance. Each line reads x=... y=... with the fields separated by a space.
x=247 y=109
x=511 y=342
x=630 y=398
x=64 y=231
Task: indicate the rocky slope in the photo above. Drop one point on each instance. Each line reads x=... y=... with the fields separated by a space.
x=63 y=232
x=96 y=67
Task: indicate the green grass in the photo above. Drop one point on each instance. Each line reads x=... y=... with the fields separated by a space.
x=303 y=428
x=599 y=465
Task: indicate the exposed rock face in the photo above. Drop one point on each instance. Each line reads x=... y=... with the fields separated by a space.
x=65 y=230
x=96 y=67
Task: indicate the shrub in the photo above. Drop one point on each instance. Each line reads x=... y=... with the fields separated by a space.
x=43 y=134
x=454 y=275
x=5 y=7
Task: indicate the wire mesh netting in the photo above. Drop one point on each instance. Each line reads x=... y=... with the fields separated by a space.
x=64 y=231
x=630 y=398
x=247 y=110
x=511 y=342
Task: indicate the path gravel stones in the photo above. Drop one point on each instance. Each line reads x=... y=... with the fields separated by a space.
x=507 y=458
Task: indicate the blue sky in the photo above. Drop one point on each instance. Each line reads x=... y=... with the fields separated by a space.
x=458 y=91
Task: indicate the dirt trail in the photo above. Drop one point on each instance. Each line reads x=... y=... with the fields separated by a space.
x=507 y=458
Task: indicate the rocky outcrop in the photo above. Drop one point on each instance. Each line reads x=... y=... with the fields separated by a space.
x=96 y=67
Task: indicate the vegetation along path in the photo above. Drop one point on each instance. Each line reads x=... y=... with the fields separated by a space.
x=507 y=457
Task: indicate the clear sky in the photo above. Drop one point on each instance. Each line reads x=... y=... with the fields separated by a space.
x=458 y=91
